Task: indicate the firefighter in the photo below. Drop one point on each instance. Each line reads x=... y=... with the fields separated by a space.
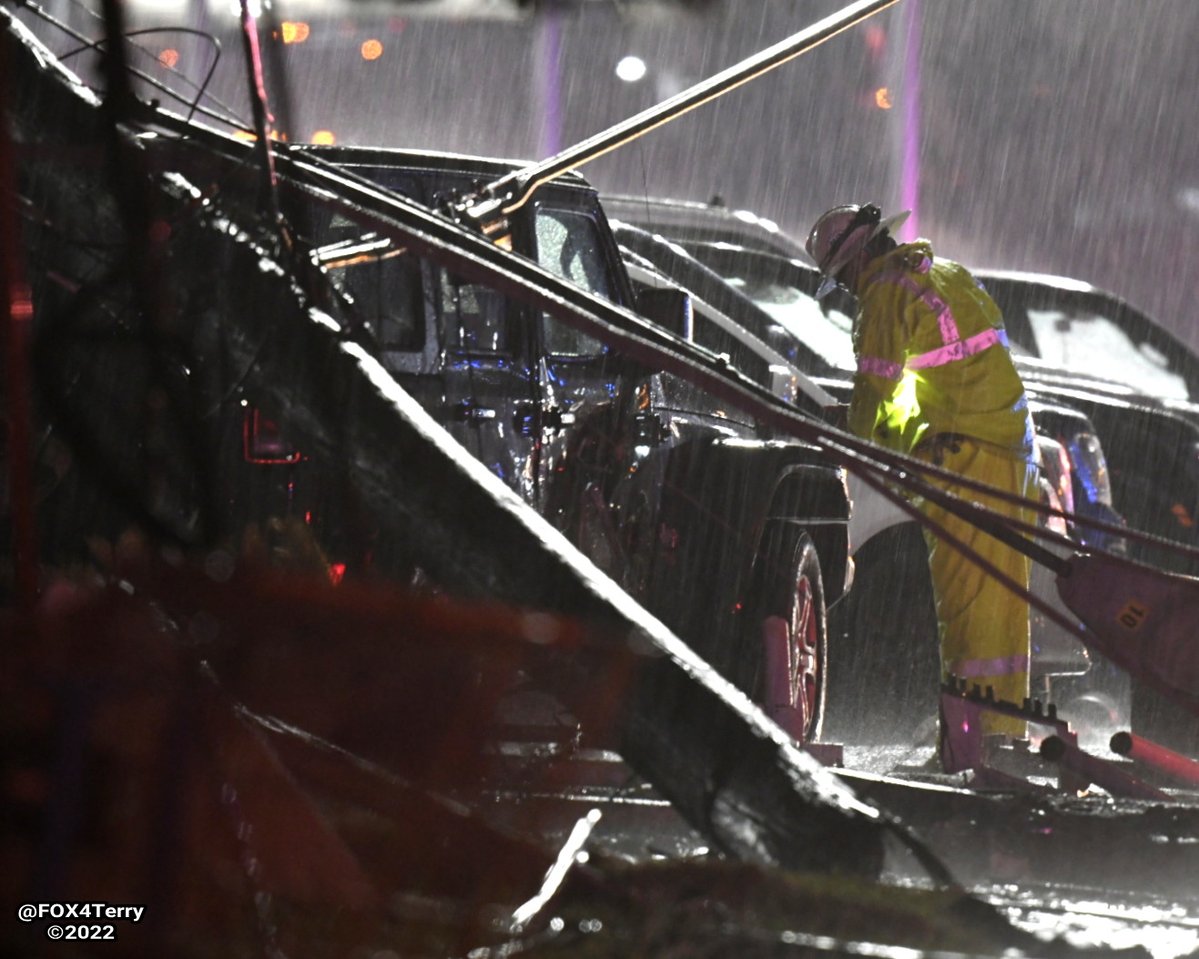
x=935 y=380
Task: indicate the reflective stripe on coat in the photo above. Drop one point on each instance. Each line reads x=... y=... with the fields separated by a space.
x=933 y=357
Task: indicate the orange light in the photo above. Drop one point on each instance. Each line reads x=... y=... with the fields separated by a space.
x=294 y=31
x=372 y=50
x=244 y=135
x=169 y=58
x=882 y=98
x=324 y=137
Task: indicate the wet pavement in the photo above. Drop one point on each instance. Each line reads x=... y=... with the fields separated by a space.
x=1090 y=869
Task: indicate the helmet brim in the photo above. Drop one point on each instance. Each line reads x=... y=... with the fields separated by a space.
x=891 y=223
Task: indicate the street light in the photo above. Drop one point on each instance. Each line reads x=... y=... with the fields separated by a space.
x=630 y=69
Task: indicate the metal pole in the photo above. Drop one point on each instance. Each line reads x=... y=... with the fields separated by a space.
x=548 y=76
x=510 y=192
x=1165 y=761
x=262 y=118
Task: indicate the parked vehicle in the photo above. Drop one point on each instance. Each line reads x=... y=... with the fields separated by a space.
x=1136 y=381
x=690 y=221
x=1071 y=324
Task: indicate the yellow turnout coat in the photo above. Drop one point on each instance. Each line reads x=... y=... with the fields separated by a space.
x=935 y=379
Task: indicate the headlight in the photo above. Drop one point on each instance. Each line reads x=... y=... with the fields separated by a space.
x=1056 y=480
x=1090 y=467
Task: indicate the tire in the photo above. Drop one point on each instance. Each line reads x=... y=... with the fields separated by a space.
x=784 y=634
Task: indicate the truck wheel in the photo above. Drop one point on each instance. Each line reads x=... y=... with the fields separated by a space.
x=786 y=633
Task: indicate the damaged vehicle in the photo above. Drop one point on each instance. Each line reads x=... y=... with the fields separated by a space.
x=736 y=539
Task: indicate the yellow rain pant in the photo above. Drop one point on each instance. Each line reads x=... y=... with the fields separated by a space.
x=983 y=625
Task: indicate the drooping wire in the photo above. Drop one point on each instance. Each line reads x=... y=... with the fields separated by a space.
x=200 y=89
x=858 y=450
x=194 y=105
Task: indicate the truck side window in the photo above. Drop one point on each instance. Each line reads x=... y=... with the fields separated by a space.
x=568 y=246
x=381 y=283
x=475 y=316
x=386 y=296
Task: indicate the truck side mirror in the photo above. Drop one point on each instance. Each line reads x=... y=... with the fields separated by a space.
x=669 y=307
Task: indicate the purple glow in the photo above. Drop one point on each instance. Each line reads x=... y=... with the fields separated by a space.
x=549 y=51
x=909 y=182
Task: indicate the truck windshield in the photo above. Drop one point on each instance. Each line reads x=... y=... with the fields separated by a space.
x=1096 y=345
x=828 y=334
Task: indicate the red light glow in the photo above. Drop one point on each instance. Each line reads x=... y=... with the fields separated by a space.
x=21 y=302
x=876 y=39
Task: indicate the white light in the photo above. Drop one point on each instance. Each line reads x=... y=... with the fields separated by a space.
x=630 y=69
x=1188 y=196
x=255 y=8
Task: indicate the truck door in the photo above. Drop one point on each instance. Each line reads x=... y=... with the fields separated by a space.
x=579 y=375
x=460 y=349
x=489 y=401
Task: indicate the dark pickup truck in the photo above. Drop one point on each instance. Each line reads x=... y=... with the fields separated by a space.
x=718 y=527
x=732 y=535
